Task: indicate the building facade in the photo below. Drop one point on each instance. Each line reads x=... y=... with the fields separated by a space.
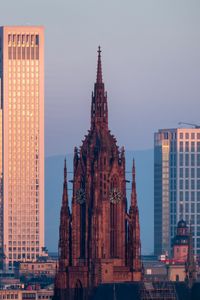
x=26 y=294
x=181 y=242
x=177 y=265
x=176 y=185
x=182 y=265
x=38 y=268
x=99 y=239
x=21 y=143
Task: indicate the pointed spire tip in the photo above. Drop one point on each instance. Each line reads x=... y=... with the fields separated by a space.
x=99 y=50
x=65 y=170
x=99 y=68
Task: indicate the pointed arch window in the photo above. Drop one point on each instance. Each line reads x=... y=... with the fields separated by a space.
x=80 y=198
x=113 y=220
x=78 y=295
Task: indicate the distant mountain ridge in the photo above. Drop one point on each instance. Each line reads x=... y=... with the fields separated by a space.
x=144 y=182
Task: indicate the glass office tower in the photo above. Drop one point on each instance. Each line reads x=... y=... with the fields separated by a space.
x=22 y=143
x=176 y=185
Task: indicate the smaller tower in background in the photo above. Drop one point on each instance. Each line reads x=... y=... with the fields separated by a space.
x=190 y=266
x=182 y=266
x=181 y=242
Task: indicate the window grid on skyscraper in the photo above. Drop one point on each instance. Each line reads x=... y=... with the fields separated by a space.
x=184 y=183
x=23 y=235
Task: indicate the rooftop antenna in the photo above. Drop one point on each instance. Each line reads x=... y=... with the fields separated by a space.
x=190 y=124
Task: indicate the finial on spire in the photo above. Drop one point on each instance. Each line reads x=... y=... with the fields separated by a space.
x=99 y=70
x=99 y=50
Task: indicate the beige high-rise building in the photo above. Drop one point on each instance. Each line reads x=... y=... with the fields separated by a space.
x=21 y=143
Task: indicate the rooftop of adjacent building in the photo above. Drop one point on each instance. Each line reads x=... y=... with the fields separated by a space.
x=21 y=27
x=178 y=129
x=166 y=135
x=146 y=290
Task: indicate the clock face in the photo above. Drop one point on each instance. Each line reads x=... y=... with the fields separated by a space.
x=115 y=196
x=80 y=196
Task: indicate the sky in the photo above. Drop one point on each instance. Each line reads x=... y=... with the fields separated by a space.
x=151 y=67
x=150 y=57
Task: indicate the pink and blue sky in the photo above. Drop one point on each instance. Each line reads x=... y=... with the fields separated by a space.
x=151 y=65
x=151 y=70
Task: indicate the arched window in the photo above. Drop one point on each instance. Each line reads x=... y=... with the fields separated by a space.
x=78 y=294
x=83 y=228
x=113 y=219
x=81 y=199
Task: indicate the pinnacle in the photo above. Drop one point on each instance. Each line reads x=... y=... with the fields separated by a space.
x=65 y=171
x=133 y=194
x=99 y=68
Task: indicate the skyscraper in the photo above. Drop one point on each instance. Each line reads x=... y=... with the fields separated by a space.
x=22 y=142
x=176 y=185
x=99 y=238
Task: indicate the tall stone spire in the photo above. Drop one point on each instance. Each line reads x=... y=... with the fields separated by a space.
x=133 y=192
x=64 y=249
x=99 y=107
x=134 y=247
x=99 y=69
x=65 y=194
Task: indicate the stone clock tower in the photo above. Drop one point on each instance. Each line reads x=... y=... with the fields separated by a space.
x=99 y=238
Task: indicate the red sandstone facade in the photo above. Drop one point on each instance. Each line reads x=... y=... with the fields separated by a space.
x=99 y=240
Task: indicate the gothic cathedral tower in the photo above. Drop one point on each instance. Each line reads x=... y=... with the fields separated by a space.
x=99 y=240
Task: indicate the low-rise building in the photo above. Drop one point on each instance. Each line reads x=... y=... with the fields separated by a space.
x=182 y=266
x=38 y=268
x=26 y=294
